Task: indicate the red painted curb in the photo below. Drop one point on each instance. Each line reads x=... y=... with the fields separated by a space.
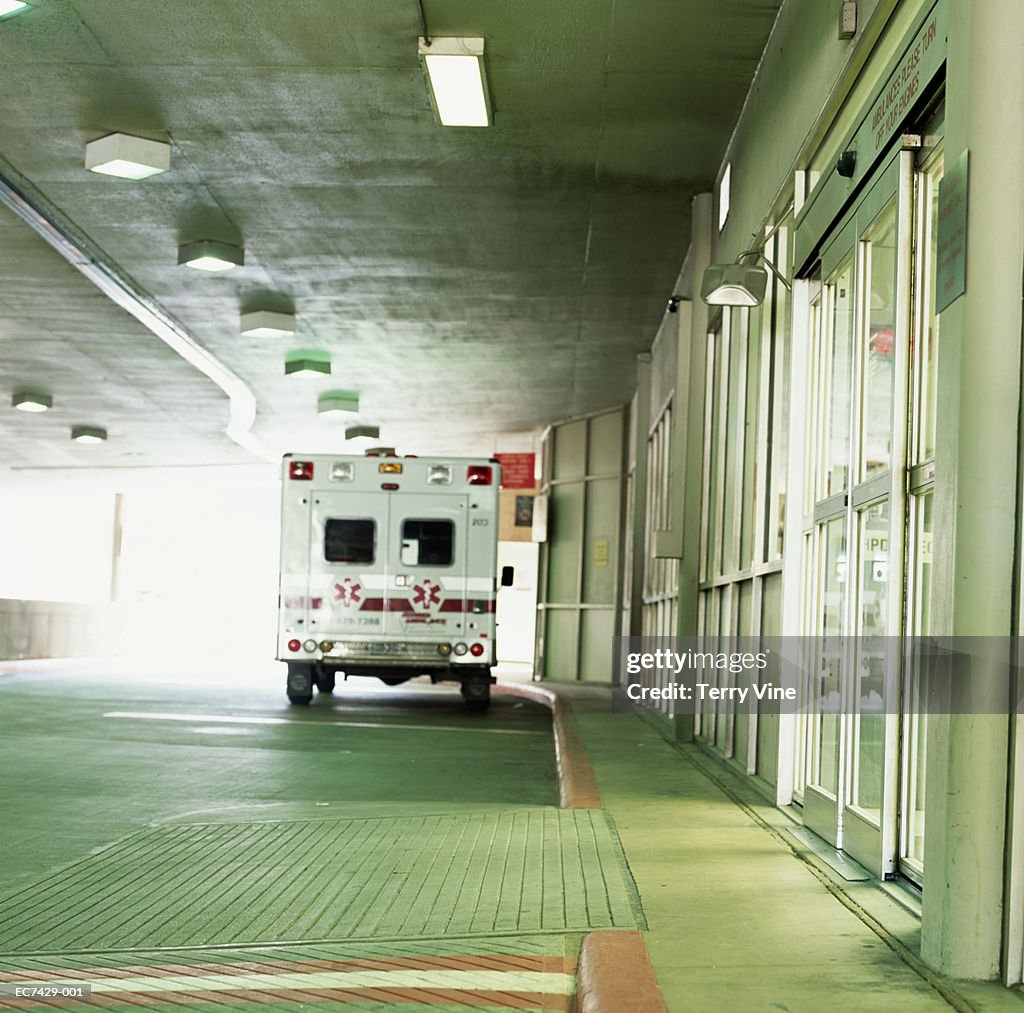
x=615 y=976
x=577 y=786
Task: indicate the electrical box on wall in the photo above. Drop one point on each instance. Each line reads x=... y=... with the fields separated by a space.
x=668 y=544
x=848 y=19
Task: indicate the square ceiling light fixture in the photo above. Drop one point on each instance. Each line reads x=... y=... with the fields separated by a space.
x=127 y=156
x=267 y=324
x=8 y=8
x=210 y=255
x=458 y=85
x=362 y=433
x=337 y=401
x=28 y=401
x=88 y=434
x=307 y=363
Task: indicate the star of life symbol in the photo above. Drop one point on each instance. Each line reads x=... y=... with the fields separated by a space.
x=426 y=595
x=347 y=592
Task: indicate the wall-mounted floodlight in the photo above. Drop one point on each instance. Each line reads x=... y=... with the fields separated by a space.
x=210 y=255
x=267 y=324
x=337 y=401
x=307 y=364
x=738 y=284
x=127 y=157
x=458 y=85
x=30 y=401
x=8 y=8
x=88 y=434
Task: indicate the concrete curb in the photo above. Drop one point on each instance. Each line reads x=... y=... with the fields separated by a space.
x=613 y=974
x=577 y=786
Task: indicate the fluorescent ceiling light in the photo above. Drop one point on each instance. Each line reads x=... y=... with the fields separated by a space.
x=363 y=432
x=337 y=401
x=26 y=401
x=88 y=434
x=9 y=7
x=455 y=70
x=210 y=255
x=267 y=324
x=127 y=156
x=307 y=364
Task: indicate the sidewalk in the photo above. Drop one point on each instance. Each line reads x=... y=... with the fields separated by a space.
x=738 y=918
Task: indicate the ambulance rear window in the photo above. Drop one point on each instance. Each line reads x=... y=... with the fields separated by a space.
x=427 y=542
x=349 y=540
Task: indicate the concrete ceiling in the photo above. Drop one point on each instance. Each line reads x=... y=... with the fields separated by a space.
x=468 y=283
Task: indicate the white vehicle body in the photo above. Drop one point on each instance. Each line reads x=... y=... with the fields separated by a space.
x=388 y=568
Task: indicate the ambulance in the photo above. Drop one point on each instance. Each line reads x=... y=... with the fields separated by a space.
x=388 y=569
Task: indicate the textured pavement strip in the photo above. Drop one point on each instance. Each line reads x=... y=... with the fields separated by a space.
x=535 y=869
x=228 y=719
x=540 y=977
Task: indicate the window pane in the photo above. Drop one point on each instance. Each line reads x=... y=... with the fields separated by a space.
x=840 y=373
x=427 y=542
x=880 y=260
x=830 y=663
x=929 y=318
x=869 y=743
x=779 y=401
x=349 y=540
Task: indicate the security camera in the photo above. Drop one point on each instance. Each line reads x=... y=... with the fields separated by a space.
x=673 y=303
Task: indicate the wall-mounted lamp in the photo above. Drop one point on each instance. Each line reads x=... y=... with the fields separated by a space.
x=88 y=434
x=210 y=255
x=127 y=156
x=337 y=401
x=738 y=284
x=29 y=401
x=673 y=303
x=458 y=85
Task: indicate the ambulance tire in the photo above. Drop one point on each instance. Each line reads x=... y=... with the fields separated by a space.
x=477 y=695
x=300 y=684
x=325 y=682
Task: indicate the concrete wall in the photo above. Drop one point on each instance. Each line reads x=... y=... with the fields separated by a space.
x=51 y=629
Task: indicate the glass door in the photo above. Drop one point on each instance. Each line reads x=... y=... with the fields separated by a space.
x=858 y=478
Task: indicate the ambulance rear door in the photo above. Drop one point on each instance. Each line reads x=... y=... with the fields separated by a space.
x=426 y=564
x=348 y=563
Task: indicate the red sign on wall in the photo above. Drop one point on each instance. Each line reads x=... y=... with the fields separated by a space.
x=517 y=471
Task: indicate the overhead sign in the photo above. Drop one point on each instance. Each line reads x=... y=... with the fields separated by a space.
x=517 y=471
x=951 y=259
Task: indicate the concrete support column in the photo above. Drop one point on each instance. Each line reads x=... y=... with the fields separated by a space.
x=690 y=383
x=639 y=491
x=975 y=509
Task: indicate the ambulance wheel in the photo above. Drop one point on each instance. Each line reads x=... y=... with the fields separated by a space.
x=325 y=682
x=300 y=684
x=477 y=695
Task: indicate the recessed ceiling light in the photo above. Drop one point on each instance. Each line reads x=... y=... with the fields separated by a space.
x=210 y=255
x=9 y=7
x=26 y=401
x=337 y=401
x=127 y=156
x=455 y=70
x=307 y=364
x=267 y=324
x=88 y=434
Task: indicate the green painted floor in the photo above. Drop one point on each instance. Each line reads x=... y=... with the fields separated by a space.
x=183 y=843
